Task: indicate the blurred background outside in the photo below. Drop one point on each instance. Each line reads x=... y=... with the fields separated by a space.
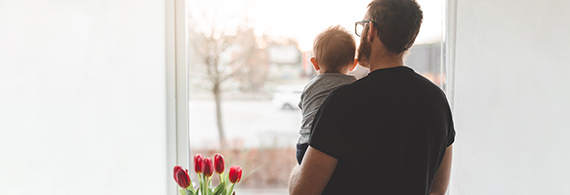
x=249 y=62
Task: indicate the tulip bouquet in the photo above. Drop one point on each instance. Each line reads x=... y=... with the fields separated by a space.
x=205 y=168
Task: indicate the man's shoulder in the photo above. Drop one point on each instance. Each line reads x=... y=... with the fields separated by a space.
x=345 y=94
x=398 y=77
x=361 y=85
x=386 y=84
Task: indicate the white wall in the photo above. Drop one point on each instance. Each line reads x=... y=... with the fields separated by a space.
x=82 y=97
x=512 y=98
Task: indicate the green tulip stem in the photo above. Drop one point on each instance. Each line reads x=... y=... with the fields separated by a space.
x=208 y=184
x=221 y=181
x=203 y=184
x=231 y=189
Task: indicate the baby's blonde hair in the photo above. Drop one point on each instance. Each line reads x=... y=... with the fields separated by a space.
x=334 y=48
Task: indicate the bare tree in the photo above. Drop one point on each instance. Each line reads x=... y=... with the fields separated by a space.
x=225 y=50
x=253 y=75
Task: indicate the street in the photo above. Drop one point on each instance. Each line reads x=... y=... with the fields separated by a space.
x=247 y=123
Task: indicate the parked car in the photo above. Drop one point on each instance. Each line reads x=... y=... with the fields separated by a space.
x=287 y=97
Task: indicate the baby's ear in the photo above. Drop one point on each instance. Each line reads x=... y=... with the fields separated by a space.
x=354 y=65
x=315 y=63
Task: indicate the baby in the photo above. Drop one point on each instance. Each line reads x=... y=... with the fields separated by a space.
x=333 y=51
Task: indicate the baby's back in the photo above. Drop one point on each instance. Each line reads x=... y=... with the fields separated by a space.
x=313 y=96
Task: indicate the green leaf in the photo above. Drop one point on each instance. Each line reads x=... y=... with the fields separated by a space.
x=220 y=189
x=189 y=192
x=182 y=191
x=191 y=187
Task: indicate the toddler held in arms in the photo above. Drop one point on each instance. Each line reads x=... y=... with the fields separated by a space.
x=333 y=58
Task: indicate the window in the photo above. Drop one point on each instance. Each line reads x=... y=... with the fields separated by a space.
x=248 y=63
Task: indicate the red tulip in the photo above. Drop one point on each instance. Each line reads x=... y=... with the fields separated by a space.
x=181 y=177
x=235 y=174
x=219 y=163
x=176 y=169
x=208 y=167
x=198 y=163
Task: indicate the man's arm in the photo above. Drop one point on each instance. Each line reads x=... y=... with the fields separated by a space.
x=441 y=180
x=312 y=176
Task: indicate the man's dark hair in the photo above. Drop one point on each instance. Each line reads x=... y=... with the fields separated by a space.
x=398 y=22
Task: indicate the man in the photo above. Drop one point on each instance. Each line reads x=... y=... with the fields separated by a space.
x=388 y=133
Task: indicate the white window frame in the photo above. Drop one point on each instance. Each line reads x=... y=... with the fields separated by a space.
x=450 y=26
x=449 y=54
x=176 y=89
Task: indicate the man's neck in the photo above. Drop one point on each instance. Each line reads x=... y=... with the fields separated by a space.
x=385 y=61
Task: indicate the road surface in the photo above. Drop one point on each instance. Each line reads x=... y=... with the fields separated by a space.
x=250 y=123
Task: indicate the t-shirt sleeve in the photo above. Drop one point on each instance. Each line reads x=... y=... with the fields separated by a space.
x=326 y=131
x=450 y=126
x=451 y=135
x=450 y=131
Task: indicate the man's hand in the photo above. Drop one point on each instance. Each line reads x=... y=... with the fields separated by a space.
x=312 y=176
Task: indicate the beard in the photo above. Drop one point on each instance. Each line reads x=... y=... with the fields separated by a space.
x=364 y=51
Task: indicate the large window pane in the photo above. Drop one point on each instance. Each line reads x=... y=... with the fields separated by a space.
x=248 y=65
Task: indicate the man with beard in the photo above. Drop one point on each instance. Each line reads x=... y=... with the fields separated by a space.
x=390 y=132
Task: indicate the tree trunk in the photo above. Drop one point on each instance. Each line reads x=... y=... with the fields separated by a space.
x=218 y=100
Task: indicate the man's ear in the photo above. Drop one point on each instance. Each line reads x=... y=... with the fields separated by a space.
x=354 y=65
x=371 y=32
x=315 y=63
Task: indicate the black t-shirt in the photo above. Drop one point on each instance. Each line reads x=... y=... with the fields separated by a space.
x=388 y=131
